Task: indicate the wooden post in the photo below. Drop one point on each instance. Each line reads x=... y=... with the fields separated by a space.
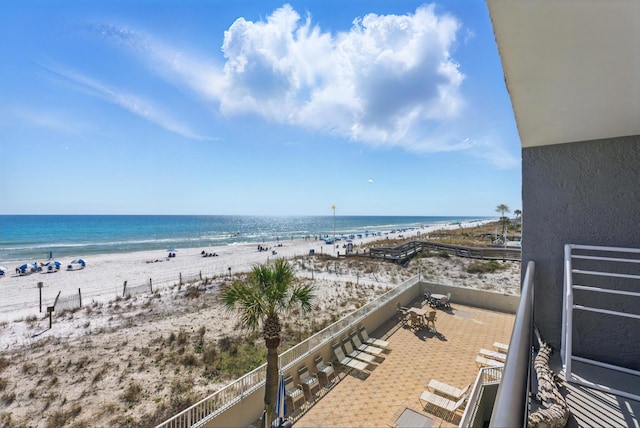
x=124 y=289
x=200 y=275
x=50 y=311
x=80 y=297
x=150 y=285
x=40 y=291
x=180 y=278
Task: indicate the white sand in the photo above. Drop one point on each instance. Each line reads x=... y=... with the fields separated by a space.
x=103 y=278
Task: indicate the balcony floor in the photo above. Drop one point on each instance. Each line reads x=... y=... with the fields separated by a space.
x=415 y=358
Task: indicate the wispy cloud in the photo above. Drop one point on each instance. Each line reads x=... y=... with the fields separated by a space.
x=53 y=120
x=135 y=104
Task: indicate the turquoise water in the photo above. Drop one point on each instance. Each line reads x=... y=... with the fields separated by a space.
x=26 y=237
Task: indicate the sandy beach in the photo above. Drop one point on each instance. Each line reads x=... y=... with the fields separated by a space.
x=103 y=278
x=135 y=361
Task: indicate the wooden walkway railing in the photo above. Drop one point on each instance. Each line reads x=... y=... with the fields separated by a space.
x=402 y=252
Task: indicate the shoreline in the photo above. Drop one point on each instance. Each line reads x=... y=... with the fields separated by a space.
x=103 y=278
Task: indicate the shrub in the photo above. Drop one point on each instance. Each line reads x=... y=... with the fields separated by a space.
x=444 y=254
x=182 y=337
x=486 y=267
x=132 y=393
x=61 y=418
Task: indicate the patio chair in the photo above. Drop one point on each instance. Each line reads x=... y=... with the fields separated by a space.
x=403 y=313
x=486 y=362
x=369 y=349
x=347 y=362
x=447 y=302
x=446 y=390
x=308 y=381
x=501 y=347
x=326 y=374
x=493 y=355
x=294 y=393
x=431 y=319
x=372 y=340
x=430 y=300
x=440 y=406
x=416 y=320
x=353 y=353
x=444 y=302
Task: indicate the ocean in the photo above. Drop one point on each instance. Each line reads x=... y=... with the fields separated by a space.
x=34 y=237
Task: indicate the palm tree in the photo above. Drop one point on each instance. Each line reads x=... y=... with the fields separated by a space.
x=518 y=213
x=268 y=292
x=502 y=208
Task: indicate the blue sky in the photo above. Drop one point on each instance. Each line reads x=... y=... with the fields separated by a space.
x=254 y=107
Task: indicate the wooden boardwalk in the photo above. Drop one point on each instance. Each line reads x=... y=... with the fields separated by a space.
x=403 y=252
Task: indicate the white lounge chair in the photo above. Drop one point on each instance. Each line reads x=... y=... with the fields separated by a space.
x=372 y=340
x=486 y=362
x=347 y=362
x=358 y=355
x=447 y=390
x=369 y=349
x=441 y=406
x=501 y=347
x=493 y=355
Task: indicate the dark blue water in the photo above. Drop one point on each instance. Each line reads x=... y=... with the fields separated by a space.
x=25 y=237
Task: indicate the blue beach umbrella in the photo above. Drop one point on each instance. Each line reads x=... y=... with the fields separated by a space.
x=281 y=401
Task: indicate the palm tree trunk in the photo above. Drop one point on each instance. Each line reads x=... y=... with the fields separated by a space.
x=271 y=384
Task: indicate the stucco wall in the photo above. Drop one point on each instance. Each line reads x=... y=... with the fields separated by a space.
x=581 y=193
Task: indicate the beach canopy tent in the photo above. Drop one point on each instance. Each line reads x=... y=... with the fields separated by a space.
x=52 y=266
x=27 y=268
x=76 y=264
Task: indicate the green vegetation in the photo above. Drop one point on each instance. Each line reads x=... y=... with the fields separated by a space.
x=486 y=267
x=268 y=292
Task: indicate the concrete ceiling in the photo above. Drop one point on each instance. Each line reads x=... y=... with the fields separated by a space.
x=572 y=67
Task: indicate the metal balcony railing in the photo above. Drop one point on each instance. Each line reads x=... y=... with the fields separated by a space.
x=510 y=408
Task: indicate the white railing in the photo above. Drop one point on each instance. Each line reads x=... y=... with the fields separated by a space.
x=608 y=262
x=216 y=403
x=486 y=375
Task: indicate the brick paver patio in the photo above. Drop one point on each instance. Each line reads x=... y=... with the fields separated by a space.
x=415 y=358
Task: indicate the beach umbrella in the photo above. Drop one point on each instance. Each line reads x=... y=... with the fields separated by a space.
x=281 y=401
x=171 y=250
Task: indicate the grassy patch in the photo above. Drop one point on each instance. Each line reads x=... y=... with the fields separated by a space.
x=486 y=267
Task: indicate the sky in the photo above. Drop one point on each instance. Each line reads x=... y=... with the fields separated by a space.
x=254 y=107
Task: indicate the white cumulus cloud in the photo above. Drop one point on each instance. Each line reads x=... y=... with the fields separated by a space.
x=384 y=82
